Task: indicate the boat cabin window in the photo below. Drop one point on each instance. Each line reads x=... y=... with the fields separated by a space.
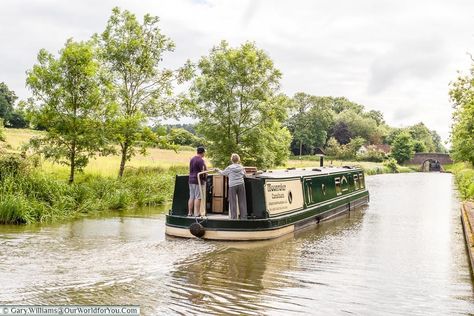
x=344 y=184
x=361 y=179
x=309 y=191
x=323 y=189
x=337 y=181
x=356 y=182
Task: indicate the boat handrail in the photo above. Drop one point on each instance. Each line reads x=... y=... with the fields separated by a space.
x=202 y=210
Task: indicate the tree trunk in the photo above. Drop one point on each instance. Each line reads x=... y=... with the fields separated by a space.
x=124 y=159
x=301 y=147
x=72 y=163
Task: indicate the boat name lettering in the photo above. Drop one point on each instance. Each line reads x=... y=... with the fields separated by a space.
x=283 y=196
x=278 y=196
x=276 y=187
x=277 y=202
x=280 y=208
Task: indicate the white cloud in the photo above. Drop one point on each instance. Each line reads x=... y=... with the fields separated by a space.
x=397 y=57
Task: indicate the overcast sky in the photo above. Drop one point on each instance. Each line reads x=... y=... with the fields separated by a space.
x=394 y=56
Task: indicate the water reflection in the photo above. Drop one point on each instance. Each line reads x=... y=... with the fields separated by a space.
x=402 y=255
x=249 y=277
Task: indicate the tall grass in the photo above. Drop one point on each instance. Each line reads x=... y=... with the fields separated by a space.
x=29 y=195
x=464 y=177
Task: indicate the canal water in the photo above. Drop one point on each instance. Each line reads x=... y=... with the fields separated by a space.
x=404 y=254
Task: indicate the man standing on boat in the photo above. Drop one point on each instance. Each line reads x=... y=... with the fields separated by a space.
x=196 y=165
x=236 y=173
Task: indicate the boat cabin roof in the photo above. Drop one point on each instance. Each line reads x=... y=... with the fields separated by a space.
x=302 y=172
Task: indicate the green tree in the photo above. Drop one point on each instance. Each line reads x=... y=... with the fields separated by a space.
x=181 y=136
x=132 y=53
x=355 y=144
x=341 y=133
x=189 y=127
x=347 y=151
x=421 y=133
x=462 y=132
x=439 y=147
x=333 y=148
x=392 y=134
x=377 y=116
x=311 y=122
x=361 y=126
x=236 y=98
x=7 y=102
x=419 y=146
x=17 y=120
x=341 y=104
x=70 y=101
x=424 y=139
x=402 y=147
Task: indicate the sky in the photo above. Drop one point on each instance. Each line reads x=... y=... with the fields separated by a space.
x=397 y=57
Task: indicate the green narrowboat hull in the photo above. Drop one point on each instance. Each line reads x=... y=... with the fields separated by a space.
x=320 y=197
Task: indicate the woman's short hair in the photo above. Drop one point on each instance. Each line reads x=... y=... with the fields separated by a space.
x=235 y=158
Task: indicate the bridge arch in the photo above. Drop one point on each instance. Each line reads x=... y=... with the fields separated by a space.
x=431 y=165
x=436 y=161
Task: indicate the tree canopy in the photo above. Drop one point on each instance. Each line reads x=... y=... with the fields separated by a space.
x=70 y=99
x=311 y=121
x=402 y=147
x=462 y=133
x=424 y=139
x=7 y=101
x=132 y=53
x=236 y=99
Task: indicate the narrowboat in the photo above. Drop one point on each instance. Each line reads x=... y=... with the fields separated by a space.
x=278 y=202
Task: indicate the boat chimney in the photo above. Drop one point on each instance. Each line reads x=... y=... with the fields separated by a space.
x=319 y=152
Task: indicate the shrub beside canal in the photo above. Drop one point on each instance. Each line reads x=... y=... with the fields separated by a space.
x=30 y=195
x=464 y=175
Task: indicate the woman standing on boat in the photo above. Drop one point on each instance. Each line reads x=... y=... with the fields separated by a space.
x=236 y=172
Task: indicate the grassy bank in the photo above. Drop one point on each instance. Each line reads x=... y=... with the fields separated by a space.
x=371 y=168
x=464 y=177
x=29 y=195
x=32 y=192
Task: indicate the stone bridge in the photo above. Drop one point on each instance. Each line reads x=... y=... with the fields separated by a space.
x=421 y=158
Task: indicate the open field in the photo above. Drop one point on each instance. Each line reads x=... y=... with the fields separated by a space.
x=331 y=162
x=105 y=166
x=163 y=158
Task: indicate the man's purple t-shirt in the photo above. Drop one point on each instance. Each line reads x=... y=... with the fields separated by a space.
x=196 y=165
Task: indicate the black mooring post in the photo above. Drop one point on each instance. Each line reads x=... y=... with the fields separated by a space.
x=321 y=161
